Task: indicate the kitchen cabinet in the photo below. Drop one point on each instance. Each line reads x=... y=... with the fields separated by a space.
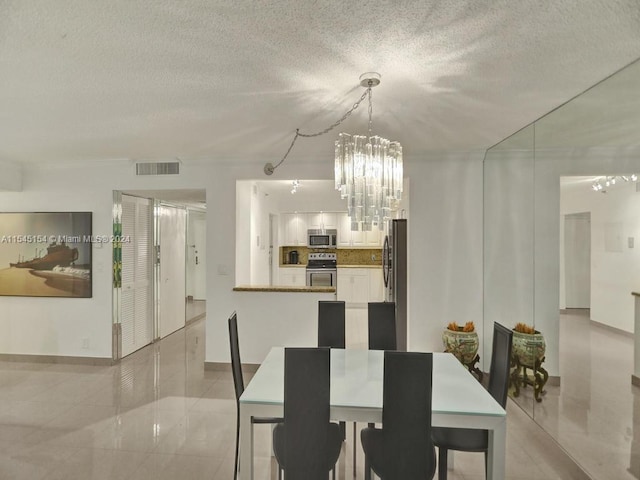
x=359 y=285
x=294 y=229
x=376 y=285
x=292 y=276
x=355 y=239
x=322 y=220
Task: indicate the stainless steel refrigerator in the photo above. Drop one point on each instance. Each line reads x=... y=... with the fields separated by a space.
x=394 y=267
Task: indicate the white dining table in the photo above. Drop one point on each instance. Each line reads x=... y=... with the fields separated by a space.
x=458 y=400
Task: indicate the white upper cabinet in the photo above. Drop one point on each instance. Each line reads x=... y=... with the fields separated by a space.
x=323 y=220
x=295 y=225
x=357 y=238
x=294 y=229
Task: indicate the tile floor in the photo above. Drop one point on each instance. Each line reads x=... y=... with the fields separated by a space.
x=595 y=413
x=159 y=415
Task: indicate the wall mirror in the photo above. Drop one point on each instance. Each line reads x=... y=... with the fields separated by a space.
x=543 y=221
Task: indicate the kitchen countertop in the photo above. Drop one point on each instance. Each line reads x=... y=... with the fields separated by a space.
x=283 y=288
x=359 y=266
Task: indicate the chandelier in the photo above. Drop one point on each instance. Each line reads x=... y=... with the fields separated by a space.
x=368 y=169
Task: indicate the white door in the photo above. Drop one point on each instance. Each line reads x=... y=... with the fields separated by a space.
x=577 y=257
x=196 y=255
x=137 y=286
x=172 y=224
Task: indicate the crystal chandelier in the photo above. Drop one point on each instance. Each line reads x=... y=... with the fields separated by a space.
x=368 y=169
x=368 y=172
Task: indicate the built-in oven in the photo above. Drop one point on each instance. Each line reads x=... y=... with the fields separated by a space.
x=322 y=238
x=322 y=270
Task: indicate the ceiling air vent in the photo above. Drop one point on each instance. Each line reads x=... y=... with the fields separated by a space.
x=157 y=168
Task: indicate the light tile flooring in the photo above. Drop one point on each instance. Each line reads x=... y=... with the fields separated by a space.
x=595 y=413
x=159 y=415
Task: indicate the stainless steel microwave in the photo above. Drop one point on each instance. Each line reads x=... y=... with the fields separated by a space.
x=322 y=238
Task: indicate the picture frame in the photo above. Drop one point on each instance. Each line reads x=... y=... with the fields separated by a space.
x=46 y=254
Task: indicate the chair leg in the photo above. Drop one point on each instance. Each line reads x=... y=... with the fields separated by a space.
x=334 y=473
x=279 y=473
x=355 y=445
x=367 y=466
x=235 y=464
x=442 y=463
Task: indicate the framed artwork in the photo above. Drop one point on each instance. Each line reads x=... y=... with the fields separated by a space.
x=46 y=254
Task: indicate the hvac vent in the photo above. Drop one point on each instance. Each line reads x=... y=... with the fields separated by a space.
x=158 y=168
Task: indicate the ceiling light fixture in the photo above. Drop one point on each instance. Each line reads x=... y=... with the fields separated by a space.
x=601 y=183
x=368 y=169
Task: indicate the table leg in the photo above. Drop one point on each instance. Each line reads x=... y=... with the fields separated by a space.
x=246 y=445
x=497 y=452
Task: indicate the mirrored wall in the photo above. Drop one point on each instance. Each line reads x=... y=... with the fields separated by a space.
x=572 y=371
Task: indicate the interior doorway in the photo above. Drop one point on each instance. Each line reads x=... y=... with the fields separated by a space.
x=577 y=260
x=176 y=258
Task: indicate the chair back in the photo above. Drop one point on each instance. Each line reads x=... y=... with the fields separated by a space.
x=408 y=450
x=500 y=363
x=306 y=412
x=331 y=324
x=382 y=326
x=236 y=366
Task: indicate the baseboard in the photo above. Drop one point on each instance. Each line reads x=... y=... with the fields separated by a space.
x=553 y=381
x=612 y=329
x=57 y=359
x=195 y=319
x=226 y=367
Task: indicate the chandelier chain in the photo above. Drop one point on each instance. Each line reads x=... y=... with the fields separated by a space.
x=330 y=127
x=370 y=112
x=342 y=119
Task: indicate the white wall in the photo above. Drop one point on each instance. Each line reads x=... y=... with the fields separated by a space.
x=615 y=268
x=445 y=246
x=10 y=176
x=58 y=326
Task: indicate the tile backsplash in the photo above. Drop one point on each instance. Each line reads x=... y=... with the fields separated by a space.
x=345 y=256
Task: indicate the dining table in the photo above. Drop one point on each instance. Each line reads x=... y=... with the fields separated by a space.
x=458 y=400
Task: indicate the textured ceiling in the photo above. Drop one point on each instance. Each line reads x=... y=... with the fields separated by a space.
x=232 y=80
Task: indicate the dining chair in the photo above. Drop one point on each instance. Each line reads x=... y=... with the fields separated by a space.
x=403 y=448
x=307 y=445
x=238 y=384
x=331 y=324
x=382 y=336
x=382 y=325
x=477 y=440
x=331 y=333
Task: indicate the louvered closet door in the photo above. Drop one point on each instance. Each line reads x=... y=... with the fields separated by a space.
x=137 y=293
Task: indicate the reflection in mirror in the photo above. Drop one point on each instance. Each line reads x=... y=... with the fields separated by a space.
x=581 y=268
x=508 y=241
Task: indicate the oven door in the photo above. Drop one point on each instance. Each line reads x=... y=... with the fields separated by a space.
x=321 y=277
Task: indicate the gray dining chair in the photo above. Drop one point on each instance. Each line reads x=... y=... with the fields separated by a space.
x=403 y=448
x=307 y=445
x=477 y=440
x=238 y=384
x=381 y=320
